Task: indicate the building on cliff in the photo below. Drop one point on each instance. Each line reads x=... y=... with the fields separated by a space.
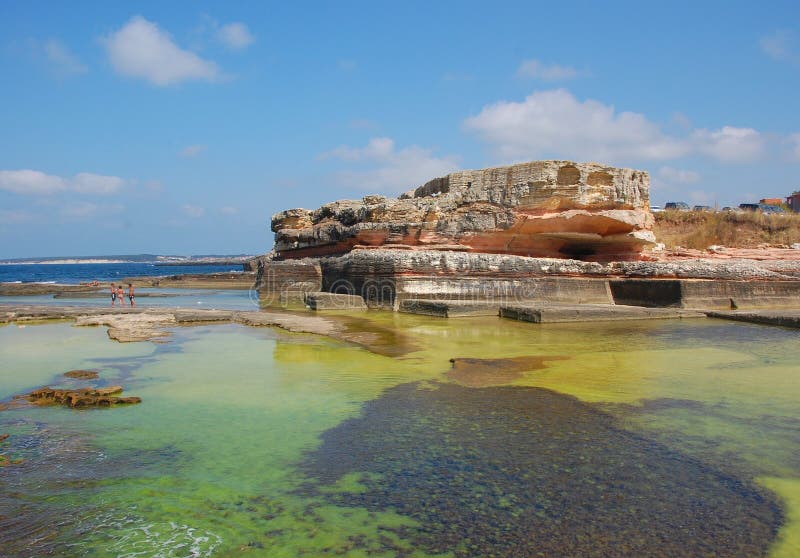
x=556 y=209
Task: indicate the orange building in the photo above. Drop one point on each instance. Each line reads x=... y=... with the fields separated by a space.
x=771 y=201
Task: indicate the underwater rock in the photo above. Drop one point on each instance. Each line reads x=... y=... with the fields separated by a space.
x=4 y=437
x=521 y=471
x=485 y=372
x=82 y=374
x=82 y=397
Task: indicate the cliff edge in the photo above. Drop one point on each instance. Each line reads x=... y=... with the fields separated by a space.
x=557 y=209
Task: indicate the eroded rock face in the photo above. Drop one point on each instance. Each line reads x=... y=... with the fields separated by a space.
x=542 y=209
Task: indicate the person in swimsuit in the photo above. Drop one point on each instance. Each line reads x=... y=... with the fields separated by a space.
x=113 y=294
x=130 y=294
x=121 y=294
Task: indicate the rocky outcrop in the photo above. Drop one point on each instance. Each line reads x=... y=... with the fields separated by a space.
x=543 y=209
x=83 y=397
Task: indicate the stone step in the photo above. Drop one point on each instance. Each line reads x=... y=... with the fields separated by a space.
x=449 y=308
x=557 y=313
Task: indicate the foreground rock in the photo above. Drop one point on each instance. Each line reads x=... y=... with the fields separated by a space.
x=127 y=328
x=83 y=397
x=543 y=208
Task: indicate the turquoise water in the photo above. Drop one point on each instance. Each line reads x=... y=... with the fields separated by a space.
x=594 y=440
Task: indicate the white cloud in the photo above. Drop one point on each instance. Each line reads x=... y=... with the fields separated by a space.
x=552 y=72
x=794 y=142
x=193 y=211
x=30 y=182
x=84 y=210
x=554 y=123
x=678 y=176
x=15 y=216
x=363 y=124
x=346 y=65
x=192 y=151
x=141 y=49
x=235 y=36
x=389 y=169
x=88 y=183
x=702 y=197
x=62 y=61
x=730 y=143
x=779 y=45
x=228 y=210
x=33 y=182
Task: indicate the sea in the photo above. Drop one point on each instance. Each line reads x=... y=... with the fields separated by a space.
x=86 y=272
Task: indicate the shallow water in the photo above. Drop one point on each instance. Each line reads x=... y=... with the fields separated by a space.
x=678 y=438
x=148 y=297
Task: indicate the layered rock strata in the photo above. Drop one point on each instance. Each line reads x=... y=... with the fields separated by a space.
x=543 y=209
x=388 y=277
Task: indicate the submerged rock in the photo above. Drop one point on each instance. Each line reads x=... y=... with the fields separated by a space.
x=82 y=374
x=82 y=397
x=518 y=472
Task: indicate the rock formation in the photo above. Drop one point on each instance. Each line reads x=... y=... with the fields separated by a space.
x=542 y=209
x=83 y=397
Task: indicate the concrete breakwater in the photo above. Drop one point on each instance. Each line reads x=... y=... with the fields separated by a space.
x=389 y=279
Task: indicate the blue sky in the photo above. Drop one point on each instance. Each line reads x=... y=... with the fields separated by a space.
x=180 y=127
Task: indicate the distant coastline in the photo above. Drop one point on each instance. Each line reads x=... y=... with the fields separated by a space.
x=153 y=259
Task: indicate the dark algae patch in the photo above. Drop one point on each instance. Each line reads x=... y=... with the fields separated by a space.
x=485 y=372
x=521 y=472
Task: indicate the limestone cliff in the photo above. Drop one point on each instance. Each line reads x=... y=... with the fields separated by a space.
x=542 y=209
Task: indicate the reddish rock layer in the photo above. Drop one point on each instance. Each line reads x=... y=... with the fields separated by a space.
x=543 y=209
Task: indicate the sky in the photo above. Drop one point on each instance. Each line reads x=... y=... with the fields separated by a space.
x=181 y=127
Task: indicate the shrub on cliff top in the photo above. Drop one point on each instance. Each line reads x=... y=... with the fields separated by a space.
x=747 y=229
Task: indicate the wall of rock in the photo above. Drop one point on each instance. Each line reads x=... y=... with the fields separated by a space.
x=543 y=209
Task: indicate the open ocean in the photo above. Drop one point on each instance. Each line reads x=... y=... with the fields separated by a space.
x=78 y=273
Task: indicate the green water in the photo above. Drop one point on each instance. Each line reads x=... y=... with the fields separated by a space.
x=250 y=440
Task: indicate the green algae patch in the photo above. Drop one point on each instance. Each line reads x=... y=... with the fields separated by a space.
x=787 y=544
x=509 y=471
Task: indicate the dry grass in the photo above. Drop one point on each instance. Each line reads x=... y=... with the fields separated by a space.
x=700 y=229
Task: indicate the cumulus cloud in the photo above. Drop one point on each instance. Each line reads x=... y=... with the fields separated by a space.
x=62 y=62
x=15 y=216
x=678 y=176
x=235 y=36
x=346 y=65
x=33 y=182
x=545 y=72
x=780 y=46
x=794 y=144
x=141 y=49
x=556 y=124
x=84 y=210
x=193 y=211
x=730 y=143
x=388 y=169
x=192 y=151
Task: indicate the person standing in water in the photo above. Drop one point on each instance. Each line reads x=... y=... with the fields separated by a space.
x=121 y=294
x=130 y=294
x=113 y=294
